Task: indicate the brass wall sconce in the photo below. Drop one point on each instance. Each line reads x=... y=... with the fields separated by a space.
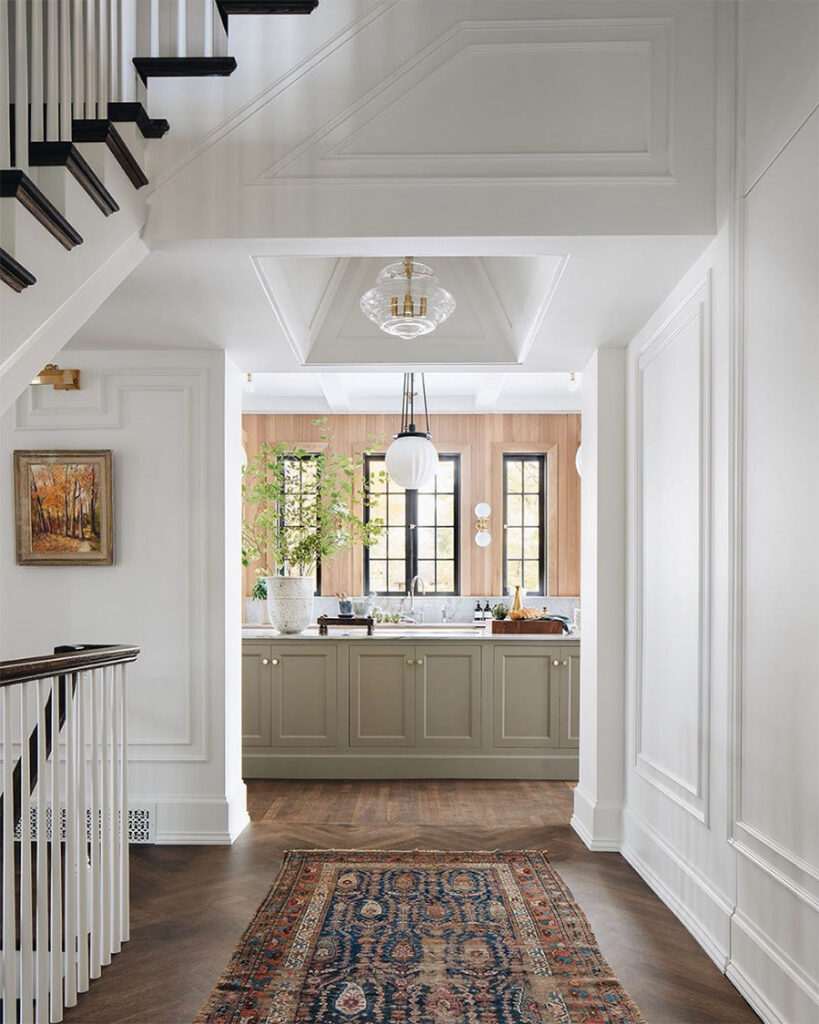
x=482 y=535
x=60 y=380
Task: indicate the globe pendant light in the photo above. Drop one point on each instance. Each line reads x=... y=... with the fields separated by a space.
x=407 y=300
x=411 y=460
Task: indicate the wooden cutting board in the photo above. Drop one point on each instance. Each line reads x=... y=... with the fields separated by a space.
x=526 y=626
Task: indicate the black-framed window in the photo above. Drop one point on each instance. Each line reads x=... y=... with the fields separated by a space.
x=422 y=534
x=524 y=522
x=300 y=507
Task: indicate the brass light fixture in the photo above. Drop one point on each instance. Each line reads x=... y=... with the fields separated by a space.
x=407 y=300
x=60 y=380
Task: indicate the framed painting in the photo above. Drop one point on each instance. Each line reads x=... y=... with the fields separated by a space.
x=65 y=508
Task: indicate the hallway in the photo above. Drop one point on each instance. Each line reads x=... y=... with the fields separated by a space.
x=191 y=904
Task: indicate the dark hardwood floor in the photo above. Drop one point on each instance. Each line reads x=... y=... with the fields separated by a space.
x=190 y=904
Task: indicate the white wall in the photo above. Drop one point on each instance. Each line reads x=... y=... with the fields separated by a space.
x=172 y=420
x=722 y=776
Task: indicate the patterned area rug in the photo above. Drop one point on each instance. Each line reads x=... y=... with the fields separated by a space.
x=426 y=937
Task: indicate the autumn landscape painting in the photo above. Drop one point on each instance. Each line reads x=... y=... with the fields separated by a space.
x=63 y=507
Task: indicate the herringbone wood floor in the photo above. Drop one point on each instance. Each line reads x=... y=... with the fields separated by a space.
x=191 y=904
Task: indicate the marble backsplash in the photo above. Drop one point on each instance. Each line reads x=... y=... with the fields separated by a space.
x=458 y=609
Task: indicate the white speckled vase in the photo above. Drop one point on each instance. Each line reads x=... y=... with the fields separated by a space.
x=290 y=602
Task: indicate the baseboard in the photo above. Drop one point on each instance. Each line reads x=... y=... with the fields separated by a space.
x=786 y=981
x=206 y=821
x=408 y=766
x=598 y=825
x=718 y=951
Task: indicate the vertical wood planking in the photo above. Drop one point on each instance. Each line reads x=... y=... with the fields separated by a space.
x=10 y=978
x=125 y=886
x=36 y=72
x=56 y=894
x=41 y=990
x=478 y=439
x=27 y=716
x=21 y=85
x=83 y=851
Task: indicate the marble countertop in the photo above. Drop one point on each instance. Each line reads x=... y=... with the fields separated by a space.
x=395 y=631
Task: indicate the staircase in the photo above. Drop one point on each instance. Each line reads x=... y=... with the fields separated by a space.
x=75 y=130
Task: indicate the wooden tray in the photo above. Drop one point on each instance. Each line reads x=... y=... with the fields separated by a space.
x=328 y=620
x=526 y=626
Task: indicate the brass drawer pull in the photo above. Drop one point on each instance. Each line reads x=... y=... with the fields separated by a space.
x=275 y=661
x=565 y=663
x=420 y=661
x=555 y=663
x=265 y=661
x=410 y=661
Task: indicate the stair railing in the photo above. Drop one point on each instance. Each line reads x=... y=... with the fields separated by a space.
x=64 y=826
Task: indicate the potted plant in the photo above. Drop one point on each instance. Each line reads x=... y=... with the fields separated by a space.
x=301 y=508
x=256 y=604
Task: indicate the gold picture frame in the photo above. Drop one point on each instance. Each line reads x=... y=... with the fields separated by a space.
x=64 y=507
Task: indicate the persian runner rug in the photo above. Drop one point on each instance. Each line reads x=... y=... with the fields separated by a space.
x=422 y=937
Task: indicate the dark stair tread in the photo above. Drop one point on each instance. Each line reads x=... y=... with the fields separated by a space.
x=151 y=127
x=13 y=273
x=66 y=154
x=227 y=7
x=103 y=130
x=183 y=67
x=15 y=184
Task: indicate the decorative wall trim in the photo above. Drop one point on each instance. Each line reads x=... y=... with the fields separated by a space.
x=779 y=960
x=105 y=411
x=692 y=796
x=651 y=162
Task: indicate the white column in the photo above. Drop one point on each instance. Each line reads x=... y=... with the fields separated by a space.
x=598 y=798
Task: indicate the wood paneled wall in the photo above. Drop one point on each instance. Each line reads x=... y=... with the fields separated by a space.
x=480 y=440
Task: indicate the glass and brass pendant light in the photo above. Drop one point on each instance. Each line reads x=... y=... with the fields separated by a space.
x=407 y=300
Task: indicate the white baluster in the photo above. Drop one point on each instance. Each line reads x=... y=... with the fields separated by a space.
x=77 y=60
x=129 y=35
x=96 y=875
x=65 y=70
x=83 y=686
x=52 y=64
x=117 y=813
x=36 y=71
x=56 y=930
x=102 y=58
x=5 y=84
x=72 y=819
x=106 y=824
x=20 y=86
x=41 y=991
x=26 y=909
x=113 y=52
x=10 y=979
x=91 y=58
x=125 y=912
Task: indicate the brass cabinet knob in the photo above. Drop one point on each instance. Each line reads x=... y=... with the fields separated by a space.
x=275 y=661
x=410 y=661
x=565 y=663
x=555 y=663
x=265 y=661
x=420 y=661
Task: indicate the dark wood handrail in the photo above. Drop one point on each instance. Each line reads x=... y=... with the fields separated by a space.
x=65 y=660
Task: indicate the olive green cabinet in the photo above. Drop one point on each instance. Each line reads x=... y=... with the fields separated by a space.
x=325 y=707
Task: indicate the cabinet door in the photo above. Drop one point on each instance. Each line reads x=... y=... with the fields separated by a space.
x=570 y=697
x=526 y=695
x=256 y=683
x=382 y=695
x=448 y=695
x=305 y=695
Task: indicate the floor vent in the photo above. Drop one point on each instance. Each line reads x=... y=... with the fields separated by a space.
x=140 y=824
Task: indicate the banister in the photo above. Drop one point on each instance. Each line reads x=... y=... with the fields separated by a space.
x=65 y=660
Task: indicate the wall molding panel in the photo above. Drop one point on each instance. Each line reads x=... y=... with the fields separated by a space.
x=690 y=793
